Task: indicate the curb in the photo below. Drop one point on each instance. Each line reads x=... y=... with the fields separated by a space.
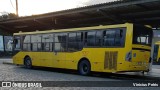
x=9 y=63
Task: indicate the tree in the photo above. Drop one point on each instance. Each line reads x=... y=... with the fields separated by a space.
x=6 y=15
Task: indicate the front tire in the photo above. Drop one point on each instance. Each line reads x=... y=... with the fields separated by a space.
x=28 y=63
x=84 y=67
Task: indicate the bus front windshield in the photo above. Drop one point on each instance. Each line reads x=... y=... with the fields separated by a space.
x=142 y=35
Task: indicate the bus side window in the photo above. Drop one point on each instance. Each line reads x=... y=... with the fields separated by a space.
x=63 y=42
x=60 y=41
x=114 y=37
x=56 y=43
x=98 y=38
x=91 y=38
x=79 y=40
x=118 y=37
x=47 y=42
x=72 y=45
x=36 y=42
x=26 y=43
x=85 y=38
x=109 y=37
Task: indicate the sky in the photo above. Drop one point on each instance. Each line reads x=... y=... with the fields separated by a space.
x=33 y=7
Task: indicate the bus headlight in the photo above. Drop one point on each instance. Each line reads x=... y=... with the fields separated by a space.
x=129 y=56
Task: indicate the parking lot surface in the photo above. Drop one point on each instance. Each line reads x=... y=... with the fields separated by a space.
x=9 y=72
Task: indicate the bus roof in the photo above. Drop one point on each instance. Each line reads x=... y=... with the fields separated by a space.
x=75 y=29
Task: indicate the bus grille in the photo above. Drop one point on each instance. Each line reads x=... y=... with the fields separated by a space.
x=110 y=60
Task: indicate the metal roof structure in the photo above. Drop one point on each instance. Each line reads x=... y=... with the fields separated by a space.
x=133 y=11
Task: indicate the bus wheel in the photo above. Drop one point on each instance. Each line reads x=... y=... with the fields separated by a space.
x=84 y=67
x=28 y=63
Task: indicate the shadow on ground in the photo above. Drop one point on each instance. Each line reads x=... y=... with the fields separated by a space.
x=117 y=76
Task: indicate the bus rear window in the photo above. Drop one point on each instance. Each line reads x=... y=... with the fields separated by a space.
x=142 y=35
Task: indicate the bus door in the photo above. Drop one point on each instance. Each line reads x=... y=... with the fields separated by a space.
x=60 y=48
x=16 y=44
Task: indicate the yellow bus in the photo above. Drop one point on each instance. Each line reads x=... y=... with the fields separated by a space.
x=156 y=53
x=108 y=48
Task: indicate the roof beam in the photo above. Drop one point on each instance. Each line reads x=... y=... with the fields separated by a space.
x=109 y=16
x=142 y=6
x=144 y=19
x=44 y=24
x=6 y=28
x=85 y=13
x=83 y=9
x=141 y=13
x=94 y=24
x=89 y=19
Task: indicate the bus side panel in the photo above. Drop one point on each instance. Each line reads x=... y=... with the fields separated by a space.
x=47 y=59
x=72 y=59
x=124 y=64
x=96 y=57
x=35 y=58
x=18 y=58
x=59 y=59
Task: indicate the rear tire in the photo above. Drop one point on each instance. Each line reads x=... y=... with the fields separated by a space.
x=28 y=63
x=84 y=67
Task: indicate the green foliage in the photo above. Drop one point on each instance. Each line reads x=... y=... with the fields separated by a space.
x=8 y=16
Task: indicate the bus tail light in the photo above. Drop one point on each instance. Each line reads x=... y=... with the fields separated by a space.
x=129 y=56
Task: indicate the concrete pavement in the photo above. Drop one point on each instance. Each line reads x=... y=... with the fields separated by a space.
x=154 y=73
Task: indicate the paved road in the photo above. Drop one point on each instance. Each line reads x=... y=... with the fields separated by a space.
x=19 y=73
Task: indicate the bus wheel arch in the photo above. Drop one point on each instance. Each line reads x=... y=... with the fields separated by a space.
x=27 y=62
x=84 y=66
